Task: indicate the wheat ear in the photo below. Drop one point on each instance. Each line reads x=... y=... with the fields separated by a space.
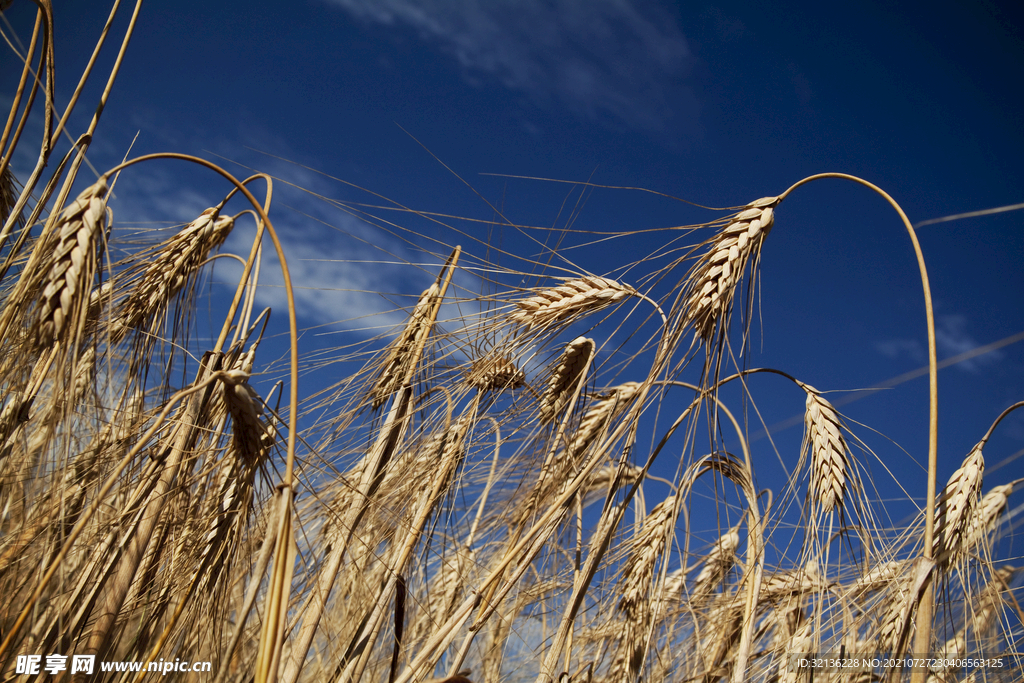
x=985 y=516
x=824 y=437
x=716 y=566
x=712 y=281
x=574 y=298
x=72 y=265
x=594 y=421
x=956 y=505
x=571 y=366
x=636 y=584
x=396 y=363
x=645 y=549
x=175 y=262
x=495 y=372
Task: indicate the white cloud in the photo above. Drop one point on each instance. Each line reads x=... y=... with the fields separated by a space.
x=599 y=58
x=329 y=252
x=951 y=339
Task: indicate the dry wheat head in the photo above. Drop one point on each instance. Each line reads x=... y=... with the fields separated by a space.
x=600 y=414
x=573 y=298
x=956 y=506
x=245 y=407
x=72 y=265
x=400 y=351
x=175 y=262
x=9 y=197
x=822 y=434
x=712 y=281
x=495 y=372
x=985 y=516
x=571 y=366
x=716 y=565
x=646 y=547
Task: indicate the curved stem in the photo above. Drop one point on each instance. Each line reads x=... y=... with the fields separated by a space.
x=922 y=639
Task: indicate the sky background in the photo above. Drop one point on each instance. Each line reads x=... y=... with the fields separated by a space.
x=714 y=104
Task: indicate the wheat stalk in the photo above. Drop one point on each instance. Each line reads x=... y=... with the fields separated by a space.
x=565 y=376
x=573 y=298
x=72 y=265
x=712 y=281
x=824 y=437
x=956 y=505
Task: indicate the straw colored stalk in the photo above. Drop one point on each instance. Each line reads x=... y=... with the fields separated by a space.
x=562 y=384
x=824 y=437
x=175 y=262
x=396 y=363
x=955 y=507
x=72 y=267
x=572 y=299
x=716 y=566
x=712 y=281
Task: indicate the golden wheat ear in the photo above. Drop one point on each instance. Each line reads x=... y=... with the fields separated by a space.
x=712 y=281
x=956 y=506
x=824 y=437
x=176 y=261
x=573 y=299
x=571 y=366
x=72 y=266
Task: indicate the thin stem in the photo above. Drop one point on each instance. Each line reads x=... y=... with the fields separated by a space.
x=922 y=638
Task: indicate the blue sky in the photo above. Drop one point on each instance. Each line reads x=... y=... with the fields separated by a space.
x=715 y=104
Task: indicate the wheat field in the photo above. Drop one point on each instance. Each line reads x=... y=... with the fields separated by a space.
x=476 y=497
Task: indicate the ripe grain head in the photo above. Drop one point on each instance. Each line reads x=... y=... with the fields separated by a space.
x=955 y=507
x=712 y=281
x=824 y=437
x=574 y=298
x=71 y=266
x=399 y=356
x=174 y=264
x=495 y=372
x=644 y=552
x=565 y=376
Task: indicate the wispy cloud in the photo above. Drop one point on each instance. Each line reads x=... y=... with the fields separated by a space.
x=327 y=249
x=599 y=58
x=951 y=338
